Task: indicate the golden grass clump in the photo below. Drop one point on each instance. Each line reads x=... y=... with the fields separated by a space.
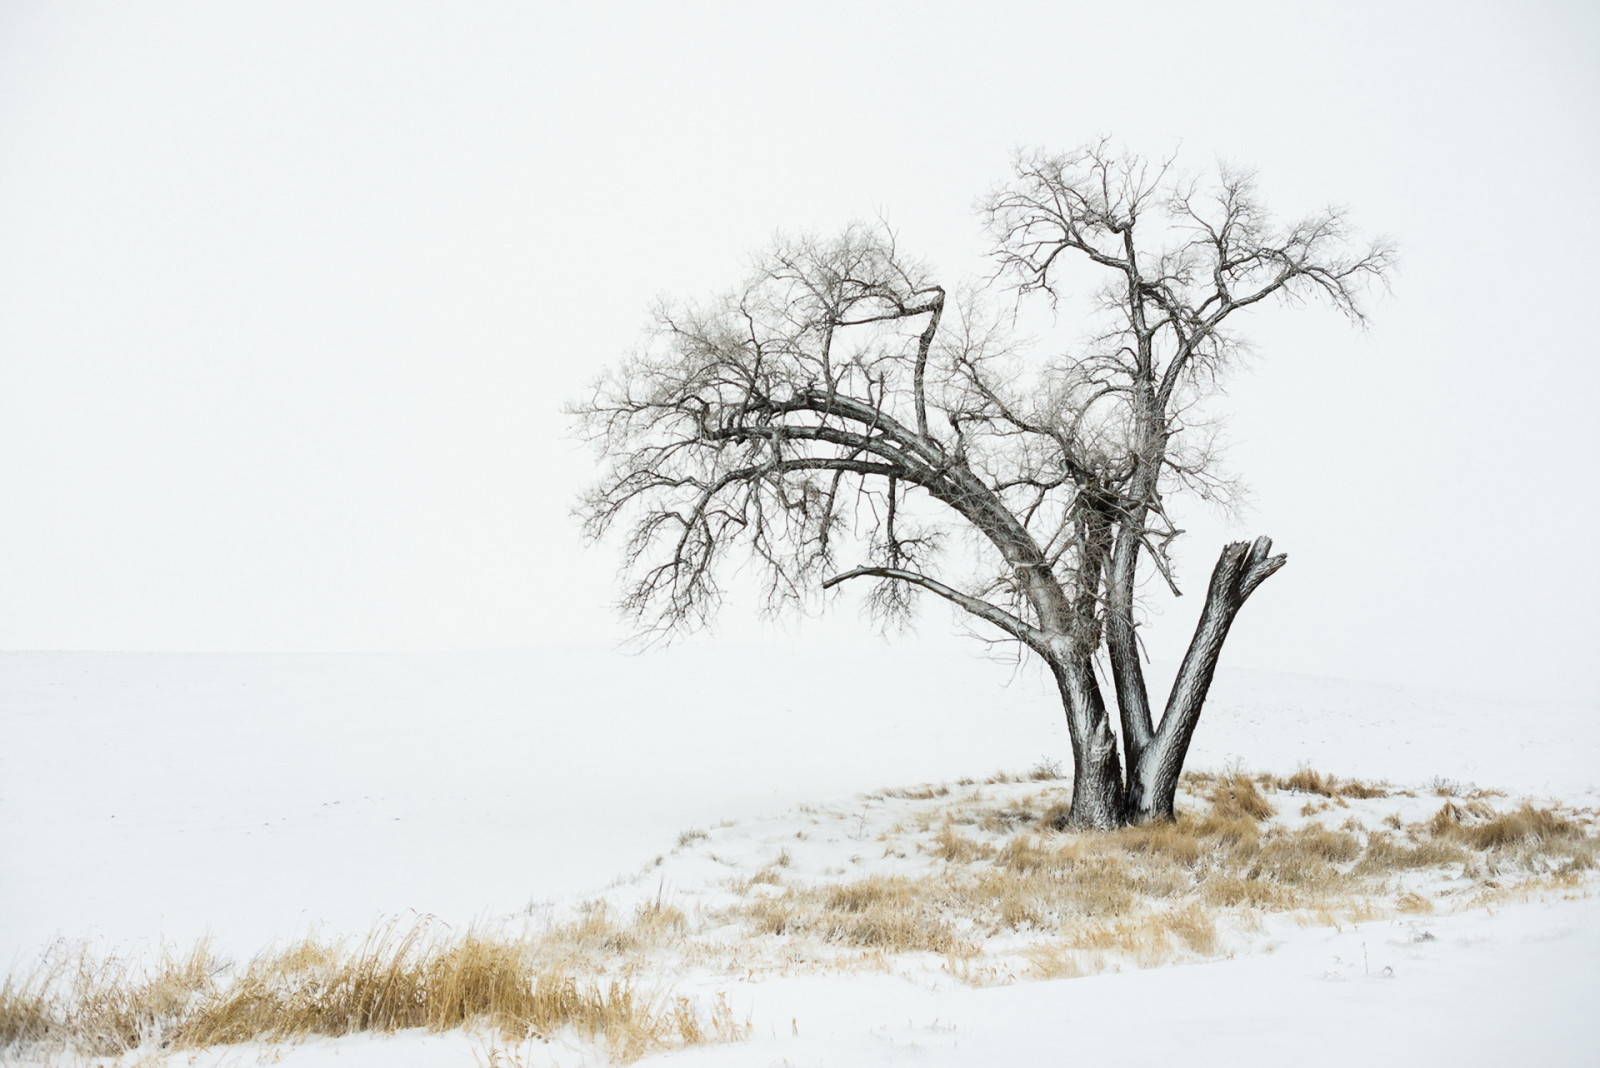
x=1101 y=886
x=105 y=1005
x=1005 y=819
x=765 y=877
x=1524 y=825
x=397 y=978
x=655 y=922
x=594 y=935
x=1049 y=890
x=25 y=1013
x=1145 y=941
x=1026 y=854
x=1414 y=903
x=955 y=848
x=1055 y=817
x=1386 y=854
x=390 y=985
x=392 y=981
x=1182 y=841
x=1283 y=862
x=1236 y=795
x=1451 y=816
x=1526 y=837
x=1315 y=840
x=1311 y=781
x=1240 y=891
x=879 y=912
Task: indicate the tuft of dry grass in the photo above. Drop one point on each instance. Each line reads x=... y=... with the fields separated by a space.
x=26 y=1013
x=1005 y=819
x=1045 y=770
x=879 y=912
x=955 y=848
x=104 y=1005
x=1145 y=941
x=1386 y=854
x=1236 y=795
x=1524 y=825
x=1451 y=816
x=420 y=976
x=1311 y=781
x=1411 y=902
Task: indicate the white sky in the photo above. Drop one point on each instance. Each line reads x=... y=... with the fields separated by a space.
x=291 y=296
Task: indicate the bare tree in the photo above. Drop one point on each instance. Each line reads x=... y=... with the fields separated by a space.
x=841 y=416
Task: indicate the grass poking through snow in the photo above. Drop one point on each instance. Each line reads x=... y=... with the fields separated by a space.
x=973 y=880
x=421 y=976
x=980 y=876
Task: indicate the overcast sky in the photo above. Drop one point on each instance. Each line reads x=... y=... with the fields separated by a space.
x=291 y=296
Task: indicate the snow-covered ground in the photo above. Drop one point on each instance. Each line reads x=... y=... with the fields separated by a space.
x=161 y=797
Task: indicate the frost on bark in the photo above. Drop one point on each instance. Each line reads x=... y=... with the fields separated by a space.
x=843 y=418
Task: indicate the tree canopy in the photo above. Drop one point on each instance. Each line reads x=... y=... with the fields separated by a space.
x=843 y=416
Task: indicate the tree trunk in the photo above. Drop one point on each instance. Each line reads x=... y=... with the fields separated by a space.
x=1098 y=799
x=1153 y=782
x=1122 y=648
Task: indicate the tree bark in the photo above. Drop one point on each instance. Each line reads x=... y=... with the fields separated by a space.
x=1122 y=649
x=1098 y=798
x=1240 y=569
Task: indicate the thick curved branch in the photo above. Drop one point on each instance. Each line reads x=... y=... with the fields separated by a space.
x=1022 y=631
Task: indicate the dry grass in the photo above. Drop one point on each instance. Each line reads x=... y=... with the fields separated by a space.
x=1524 y=826
x=955 y=848
x=587 y=942
x=885 y=913
x=925 y=792
x=26 y=1013
x=417 y=977
x=974 y=881
x=1387 y=854
x=1004 y=882
x=1147 y=942
x=108 y=1005
x=1143 y=893
x=1311 y=781
x=1236 y=796
x=1044 y=771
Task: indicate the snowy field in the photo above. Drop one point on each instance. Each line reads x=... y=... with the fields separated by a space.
x=149 y=799
x=297 y=300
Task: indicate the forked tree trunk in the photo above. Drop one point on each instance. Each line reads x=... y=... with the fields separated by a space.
x=1153 y=778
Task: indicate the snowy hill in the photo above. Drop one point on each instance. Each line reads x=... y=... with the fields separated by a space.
x=153 y=796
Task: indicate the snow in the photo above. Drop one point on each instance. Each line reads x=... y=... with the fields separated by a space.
x=1515 y=988
x=159 y=797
